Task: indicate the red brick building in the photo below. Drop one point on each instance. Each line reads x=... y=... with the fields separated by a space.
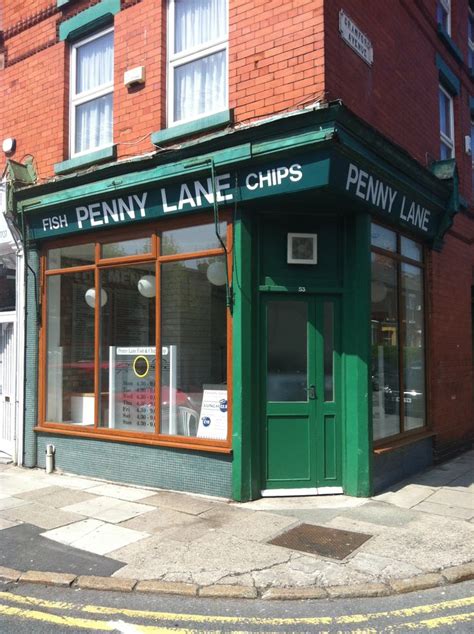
x=289 y=186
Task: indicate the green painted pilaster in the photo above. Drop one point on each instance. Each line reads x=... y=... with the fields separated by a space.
x=31 y=357
x=357 y=446
x=245 y=467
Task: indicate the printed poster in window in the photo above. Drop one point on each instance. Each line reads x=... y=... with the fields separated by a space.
x=213 y=416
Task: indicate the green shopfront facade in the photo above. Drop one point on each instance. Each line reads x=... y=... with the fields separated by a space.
x=202 y=320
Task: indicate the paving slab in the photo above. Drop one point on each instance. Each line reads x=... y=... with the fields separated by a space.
x=11 y=502
x=158 y=520
x=303 y=503
x=72 y=532
x=57 y=496
x=186 y=503
x=310 y=516
x=465 y=482
x=7 y=524
x=453 y=498
x=430 y=543
x=226 y=515
x=108 y=509
x=24 y=548
x=40 y=515
x=407 y=496
x=445 y=510
x=380 y=513
x=130 y=494
x=258 y=526
x=382 y=568
x=69 y=481
x=108 y=537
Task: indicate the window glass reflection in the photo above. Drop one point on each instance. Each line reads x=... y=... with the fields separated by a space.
x=194 y=348
x=70 y=350
x=67 y=257
x=411 y=249
x=383 y=238
x=192 y=239
x=126 y=248
x=414 y=350
x=7 y=282
x=127 y=348
x=385 y=342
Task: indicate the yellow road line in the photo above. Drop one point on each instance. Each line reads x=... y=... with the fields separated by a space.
x=432 y=624
x=64 y=621
x=202 y=618
x=90 y=624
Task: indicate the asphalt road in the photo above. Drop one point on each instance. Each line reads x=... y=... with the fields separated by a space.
x=31 y=608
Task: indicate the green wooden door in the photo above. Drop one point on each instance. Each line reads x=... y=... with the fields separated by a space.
x=300 y=387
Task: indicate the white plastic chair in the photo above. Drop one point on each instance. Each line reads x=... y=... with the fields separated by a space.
x=187 y=421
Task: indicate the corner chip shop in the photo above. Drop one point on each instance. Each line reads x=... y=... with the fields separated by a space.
x=242 y=316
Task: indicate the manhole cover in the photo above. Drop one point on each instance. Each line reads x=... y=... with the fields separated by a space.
x=319 y=540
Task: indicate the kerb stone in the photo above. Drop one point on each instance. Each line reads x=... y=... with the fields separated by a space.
x=9 y=574
x=420 y=582
x=91 y=582
x=294 y=594
x=455 y=574
x=358 y=590
x=228 y=591
x=61 y=579
x=167 y=587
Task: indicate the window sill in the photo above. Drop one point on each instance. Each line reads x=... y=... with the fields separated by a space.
x=447 y=78
x=204 y=124
x=136 y=440
x=85 y=160
x=448 y=42
x=384 y=446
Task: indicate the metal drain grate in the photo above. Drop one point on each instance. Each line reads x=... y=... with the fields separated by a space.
x=319 y=540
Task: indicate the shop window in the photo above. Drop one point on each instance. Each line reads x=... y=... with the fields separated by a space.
x=446 y=124
x=109 y=307
x=398 y=335
x=91 y=93
x=470 y=39
x=197 y=59
x=443 y=14
x=7 y=282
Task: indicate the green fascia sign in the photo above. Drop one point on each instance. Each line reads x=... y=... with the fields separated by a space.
x=289 y=175
x=330 y=150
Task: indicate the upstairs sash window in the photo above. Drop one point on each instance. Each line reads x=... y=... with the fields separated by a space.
x=197 y=54
x=92 y=86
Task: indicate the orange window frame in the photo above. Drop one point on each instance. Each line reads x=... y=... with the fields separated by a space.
x=154 y=231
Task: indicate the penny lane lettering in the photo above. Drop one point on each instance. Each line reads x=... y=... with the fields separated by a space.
x=191 y=196
x=388 y=199
x=115 y=210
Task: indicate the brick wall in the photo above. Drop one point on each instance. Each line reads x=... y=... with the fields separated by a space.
x=398 y=94
x=276 y=56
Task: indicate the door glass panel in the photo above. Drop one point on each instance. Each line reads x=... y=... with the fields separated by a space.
x=328 y=335
x=287 y=364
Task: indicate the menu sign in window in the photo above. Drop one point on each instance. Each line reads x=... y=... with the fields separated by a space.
x=132 y=388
